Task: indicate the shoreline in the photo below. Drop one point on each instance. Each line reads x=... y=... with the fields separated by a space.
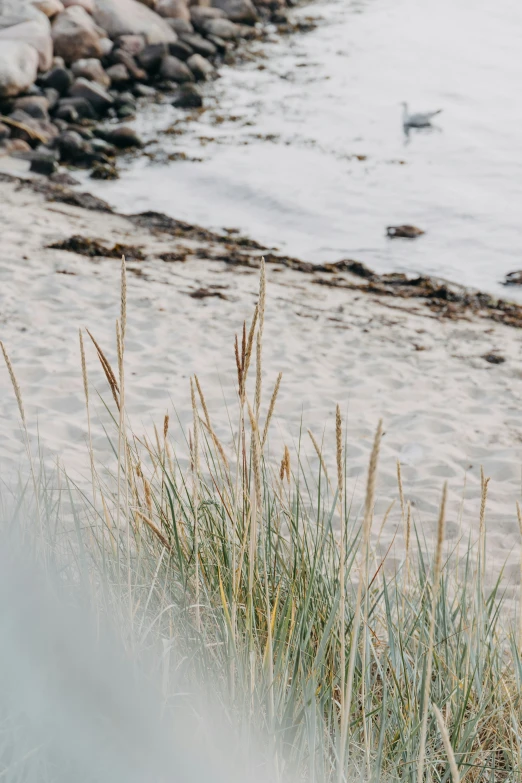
x=444 y=298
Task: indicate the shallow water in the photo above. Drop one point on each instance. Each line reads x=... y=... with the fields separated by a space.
x=336 y=168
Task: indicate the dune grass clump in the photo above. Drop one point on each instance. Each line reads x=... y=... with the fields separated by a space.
x=277 y=596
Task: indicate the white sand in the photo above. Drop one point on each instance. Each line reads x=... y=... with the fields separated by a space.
x=446 y=411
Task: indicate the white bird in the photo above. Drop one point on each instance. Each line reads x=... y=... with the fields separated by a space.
x=420 y=120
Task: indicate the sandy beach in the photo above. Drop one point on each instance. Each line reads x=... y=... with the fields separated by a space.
x=446 y=409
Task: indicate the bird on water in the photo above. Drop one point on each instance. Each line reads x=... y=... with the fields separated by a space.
x=417 y=120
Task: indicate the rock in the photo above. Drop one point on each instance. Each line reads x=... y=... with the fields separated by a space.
x=66 y=113
x=75 y=36
x=103 y=147
x=123 y=137
x=241 y=11
x=99 y=98
x=106 y=46
x=199 y=14
x=82 y=106
x=173 y=9
x=49 y=7
x=405 y=231
x=70 y=145
x=223 y=28
x=128 y=17
x=34 y=31
x=494 y=358
x=104 y=171
x=5 y=132
x=87 y=5
x=200 y=67
x=144 y=91
x=124 y=98
x=17 y=145
x=180 y=26
x=118 y=75
x=43 y=163
x=188 y=97
x=181 y=50
x=53 y=96
x=58 y=79
x=124 y=58
x=30 y=129
x=221 y=45
x=513 y=278
x=200 y=45
x=132 y=44
x=152 y=56
x=126 y=112
x=92 y=70
x=58 y=62
x=36 y=106
x=175 y=70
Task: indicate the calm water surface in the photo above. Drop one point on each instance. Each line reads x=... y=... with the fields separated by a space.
x=311 y=156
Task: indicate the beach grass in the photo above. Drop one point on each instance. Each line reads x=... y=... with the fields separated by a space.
x=280 y=600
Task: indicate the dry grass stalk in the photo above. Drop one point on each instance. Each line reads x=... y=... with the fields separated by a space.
x=123 y=300
x=195 y=466
x=259 y=370
x=87 y=407
x=107 y=369
x=519 y=517
x=401 y=491
x=384 y=520
x=285 y=469
x=431 y=639
x=238 y=364
x=150 y=524
x=455 y=777
x=342 y=586
x=484 y=483
x=217 y=442
x=271 y=409
x=166 y=425
x=247 y=351
x=407 y=543
x=319 y=455
x=15 y=385
x=367 y=521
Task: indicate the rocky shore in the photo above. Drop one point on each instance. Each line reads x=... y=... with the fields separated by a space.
x=73 y=71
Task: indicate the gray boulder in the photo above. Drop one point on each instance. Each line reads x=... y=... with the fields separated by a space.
x=36 y=106
x=173 y=9
x=241 y=11
x=200 y=67
x=99 y=98
x=222 y=28
x=174 y=70
x=32 y=27
x=75 y=35
x=128 y=17
x=18 y=67
x=91 y=69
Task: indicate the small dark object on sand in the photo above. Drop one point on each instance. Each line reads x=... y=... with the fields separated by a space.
x=405 y=232
x=204 y=293
x=494 y=358
x=513 y=278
